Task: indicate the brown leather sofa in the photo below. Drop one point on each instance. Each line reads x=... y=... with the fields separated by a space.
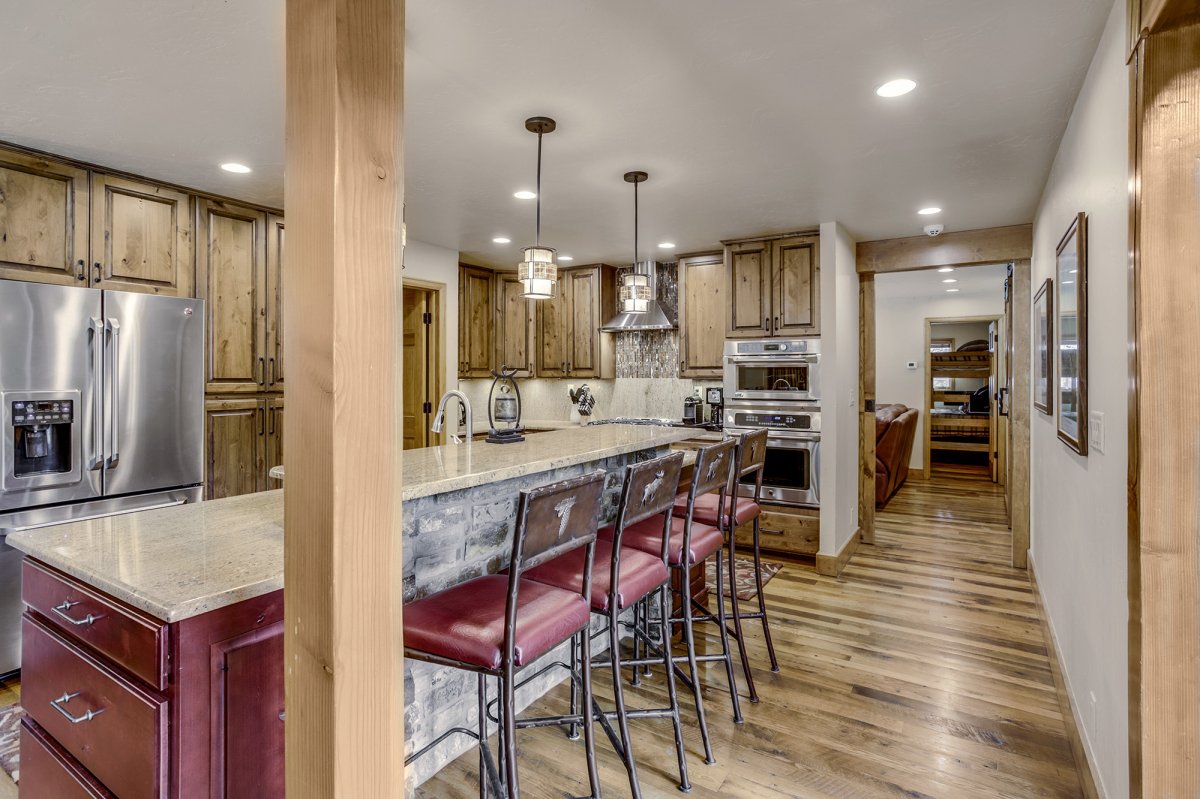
x=895 y=429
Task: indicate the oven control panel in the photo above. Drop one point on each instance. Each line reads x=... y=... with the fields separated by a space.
x=772 y=421
x=798 y=346
x=39 y=412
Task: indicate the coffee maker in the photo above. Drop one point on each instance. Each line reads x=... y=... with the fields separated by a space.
x=715 y=396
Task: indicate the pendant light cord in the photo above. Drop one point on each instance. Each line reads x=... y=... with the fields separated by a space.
x=635 y=225
x=537 y=234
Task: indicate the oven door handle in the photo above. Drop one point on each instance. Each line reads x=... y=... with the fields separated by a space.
x=773 y=359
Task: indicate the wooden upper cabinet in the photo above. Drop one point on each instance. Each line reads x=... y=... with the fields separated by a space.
x=749 y=296
x=234 y=447
x=514 y=326
x=142 y=237
x=232 y=281
x=476 y=350
x=795 y=278
x=43 y=219
x=274 y=317
x=774 y=287
x=553 y=330
x=702 y=301
x=570 y=343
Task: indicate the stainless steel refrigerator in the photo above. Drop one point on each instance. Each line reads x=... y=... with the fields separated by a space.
x=102 y=412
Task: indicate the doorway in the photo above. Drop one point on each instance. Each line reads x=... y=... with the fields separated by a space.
x=423 y=361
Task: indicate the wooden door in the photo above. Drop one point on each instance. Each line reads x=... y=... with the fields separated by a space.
x=142 y=237
x=475 y=348
x=554 y=330
x=232 y=274
x=514 y=326
x=43 y=220
x=583 y=321
x=246 y=681
x=273 y=438
x=701 y=315
x=795 y=286
x=274 y=318
x=748 y=304
x=234 y=441
x=418 y=406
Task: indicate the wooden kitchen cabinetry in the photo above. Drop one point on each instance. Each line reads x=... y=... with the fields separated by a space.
x=515 y=324
x=774 y=287
x=243 y=440
x=185 y=710
x=702 y=298
x=43 y=219
x=794 y=531
x=476 y=314
x=569 y=341
x=141 y=237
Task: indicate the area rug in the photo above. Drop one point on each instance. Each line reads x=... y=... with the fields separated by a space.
x=745 y=576
x=10 y=740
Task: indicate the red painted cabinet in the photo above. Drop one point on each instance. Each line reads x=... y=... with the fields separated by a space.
x=104 y=720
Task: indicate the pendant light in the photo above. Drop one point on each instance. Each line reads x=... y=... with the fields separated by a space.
x=538 y=273
x=635 y=292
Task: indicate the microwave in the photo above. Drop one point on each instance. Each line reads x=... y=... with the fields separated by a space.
x=773 y=369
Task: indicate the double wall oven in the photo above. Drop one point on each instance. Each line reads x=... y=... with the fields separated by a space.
x=775 y=384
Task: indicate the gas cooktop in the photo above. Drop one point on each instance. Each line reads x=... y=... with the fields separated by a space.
x=659 y=422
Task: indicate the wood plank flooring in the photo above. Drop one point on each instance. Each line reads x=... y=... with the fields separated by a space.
x=920 y=673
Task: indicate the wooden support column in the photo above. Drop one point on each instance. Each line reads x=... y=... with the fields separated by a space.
x=1019 y=406
x=1164 y=431
x=866 y=394
x=344 y=184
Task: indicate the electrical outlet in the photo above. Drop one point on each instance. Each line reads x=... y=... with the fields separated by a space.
x=853 y=397
x=911 y=365
x=1096 y=430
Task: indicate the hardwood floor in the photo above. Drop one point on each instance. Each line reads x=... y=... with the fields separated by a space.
x=920 y=673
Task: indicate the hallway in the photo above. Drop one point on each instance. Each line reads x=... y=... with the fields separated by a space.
x=921 y=672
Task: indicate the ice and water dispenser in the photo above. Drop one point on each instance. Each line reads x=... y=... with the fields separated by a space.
x=41 y=436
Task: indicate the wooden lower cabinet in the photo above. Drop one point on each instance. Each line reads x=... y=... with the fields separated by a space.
x=215 y=730
x=793 y=531
x=243 y=440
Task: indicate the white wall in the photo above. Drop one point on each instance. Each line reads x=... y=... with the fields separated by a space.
x=839 y=388
x=1078 y=504
x=900 y=338
x=439 y=265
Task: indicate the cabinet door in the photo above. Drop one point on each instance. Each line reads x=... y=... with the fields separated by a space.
x=514 y=326
x=748 y=305
x=233 y=283
x=247 y=696
x=475 y=348
x=234 y=435
x=796 y=284
x=141 y=237
x=701 y=311
x=553 y=330
x=274 y=319
x=43 y=220
x=583 y=350
x=274 y=438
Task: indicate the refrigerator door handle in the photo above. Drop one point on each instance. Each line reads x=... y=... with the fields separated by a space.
x=96 y=326
x=114 y=410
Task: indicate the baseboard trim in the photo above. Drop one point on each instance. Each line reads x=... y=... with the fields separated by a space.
x=1087 y=782
x=832 y=565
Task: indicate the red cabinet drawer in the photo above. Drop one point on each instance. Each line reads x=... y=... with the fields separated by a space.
x=130 y=638
x=47 y=771
x=123 y=742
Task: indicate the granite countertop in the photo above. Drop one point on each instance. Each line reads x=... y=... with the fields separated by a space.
x=173 y=563
x=179 y=562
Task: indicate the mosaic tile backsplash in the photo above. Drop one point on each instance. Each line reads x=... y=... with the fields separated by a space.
x=652 y=353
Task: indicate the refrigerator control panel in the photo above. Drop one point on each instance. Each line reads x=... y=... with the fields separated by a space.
x=25 y=412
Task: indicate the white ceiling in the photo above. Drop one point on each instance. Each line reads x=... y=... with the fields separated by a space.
x=927 y=284
x=750 y=117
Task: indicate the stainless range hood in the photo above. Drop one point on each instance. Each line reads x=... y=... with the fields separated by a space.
x=653 y=317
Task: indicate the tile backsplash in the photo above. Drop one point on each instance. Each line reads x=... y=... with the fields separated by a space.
x=652 y=353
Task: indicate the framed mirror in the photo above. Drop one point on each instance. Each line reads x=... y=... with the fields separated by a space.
x=1043 y=353
x=1071 y=335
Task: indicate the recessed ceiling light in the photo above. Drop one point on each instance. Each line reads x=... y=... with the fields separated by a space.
x=525 y=194
x=1073 y=271
x=896 y=88
x=566 y=258
x=666 y=245
x=501 y=240
x=239 y=169
x=930 y=211
x=949 y=280
x=951 y=291
x=946 y=269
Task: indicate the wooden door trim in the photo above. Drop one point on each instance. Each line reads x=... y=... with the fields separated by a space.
x=437 y=338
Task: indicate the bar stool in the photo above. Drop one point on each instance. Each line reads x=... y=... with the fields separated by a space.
x=751 y=455
x=633 y=577
x=497 y=624
x=691 y=542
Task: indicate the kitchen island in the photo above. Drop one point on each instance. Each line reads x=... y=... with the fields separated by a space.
x=163 y=630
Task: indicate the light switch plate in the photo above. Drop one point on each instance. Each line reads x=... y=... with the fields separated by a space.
x=912 y=365
x=1096 y=430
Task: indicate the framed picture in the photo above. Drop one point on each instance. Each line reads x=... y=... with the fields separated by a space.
x=1043 y=355
x=1071 y=332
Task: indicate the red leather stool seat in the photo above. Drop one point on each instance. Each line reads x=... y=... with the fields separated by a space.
x=705 y=510
x=646 y=535
x=466 y=623
x=640 y=574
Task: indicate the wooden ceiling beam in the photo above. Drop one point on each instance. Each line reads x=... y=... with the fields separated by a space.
x=963 y=248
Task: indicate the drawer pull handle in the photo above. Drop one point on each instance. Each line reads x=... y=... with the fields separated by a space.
x=57 y=704
x=767 y=531
x=67 y=604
